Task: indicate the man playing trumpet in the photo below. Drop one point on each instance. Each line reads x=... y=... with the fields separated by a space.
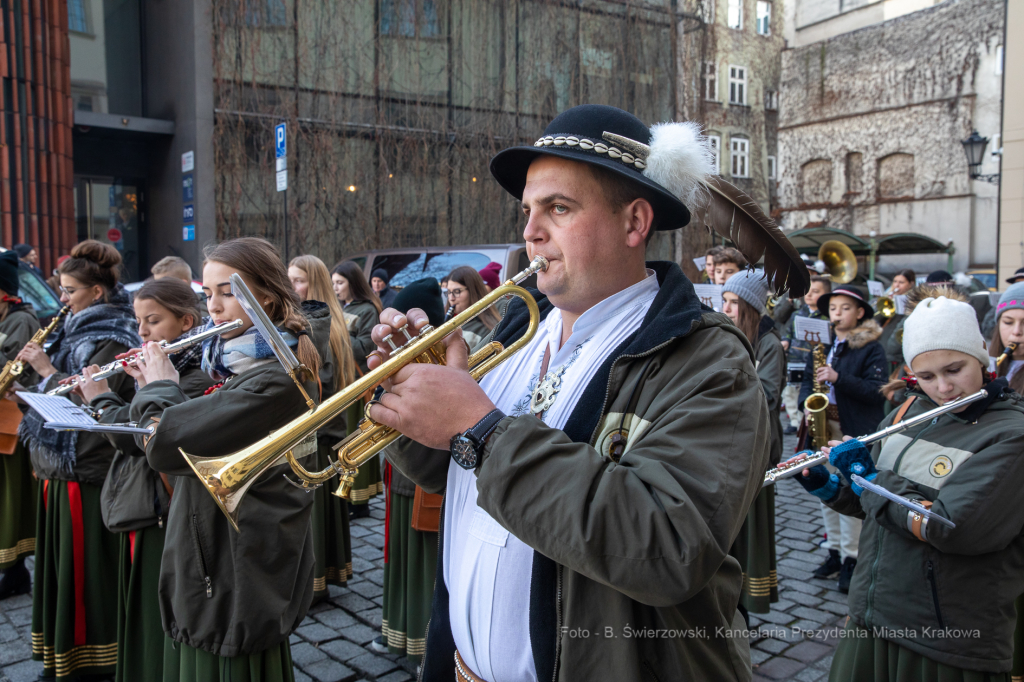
x=595 y=481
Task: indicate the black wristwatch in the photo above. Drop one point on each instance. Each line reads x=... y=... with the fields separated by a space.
x=467 y=447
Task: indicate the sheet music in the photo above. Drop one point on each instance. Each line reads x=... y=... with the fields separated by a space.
x=63 y=415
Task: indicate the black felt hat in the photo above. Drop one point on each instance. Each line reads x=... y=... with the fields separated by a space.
x=424 y=294
x=9 y=272
x=851 y=292
x=672 y=160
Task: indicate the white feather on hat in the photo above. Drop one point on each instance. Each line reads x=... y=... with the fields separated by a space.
x=681 y=160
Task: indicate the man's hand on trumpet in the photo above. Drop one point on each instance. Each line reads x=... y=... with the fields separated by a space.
x=426 y=402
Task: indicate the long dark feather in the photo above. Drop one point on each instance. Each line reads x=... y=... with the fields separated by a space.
x=734 y=215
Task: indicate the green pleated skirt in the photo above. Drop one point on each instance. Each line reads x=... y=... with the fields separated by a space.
x=183 y=663
x=408 y=581
x=140 y=634
x=18 y=492
x=368 y=483
x=866 y=657
x=332 y=544
x=1017 y=672
x=754 y=548
x=74 y=605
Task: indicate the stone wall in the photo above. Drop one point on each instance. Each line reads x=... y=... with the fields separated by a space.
x=871 y=123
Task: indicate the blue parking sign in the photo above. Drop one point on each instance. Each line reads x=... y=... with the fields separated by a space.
x=281 y=140
x=188 y=233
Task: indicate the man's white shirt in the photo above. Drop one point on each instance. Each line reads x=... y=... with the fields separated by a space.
x=487 y=569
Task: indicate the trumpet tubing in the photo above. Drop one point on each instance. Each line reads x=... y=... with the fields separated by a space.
x=816 y=405
x=228 y=478
x=15 y=368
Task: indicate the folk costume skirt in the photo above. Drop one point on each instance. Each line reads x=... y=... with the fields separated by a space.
x=140 y=634
x=409 y=567
x=332 y=543
x=754 y=548
x=368 y=482
x=1017 y=672
x=866 y=657
x=183 y=663
x=74 y=605
x=18 y=493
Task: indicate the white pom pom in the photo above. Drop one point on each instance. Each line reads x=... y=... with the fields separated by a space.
x=963 y=279
x=680 y=160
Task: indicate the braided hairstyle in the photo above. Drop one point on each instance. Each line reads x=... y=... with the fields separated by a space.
x=259 y=263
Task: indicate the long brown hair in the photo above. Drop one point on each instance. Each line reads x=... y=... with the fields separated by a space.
x=749 y=321
x=320 y=289
x=93 y=263
x=357 y=284
x=474 y=283
x=173 y=294
x=260 y=263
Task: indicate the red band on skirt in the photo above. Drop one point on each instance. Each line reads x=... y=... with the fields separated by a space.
x=131 y=544
x=387 y=507
x=46 y=487
x=78 y=547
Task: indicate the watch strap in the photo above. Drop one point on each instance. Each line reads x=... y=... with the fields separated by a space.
x=483 y=428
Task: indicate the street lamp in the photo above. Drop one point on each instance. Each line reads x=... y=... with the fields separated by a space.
x=974 y=148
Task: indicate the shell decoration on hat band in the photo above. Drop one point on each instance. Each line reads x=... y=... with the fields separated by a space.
x=635 y=154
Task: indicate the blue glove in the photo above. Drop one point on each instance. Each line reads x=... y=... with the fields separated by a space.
x=852 y=457
x=820 y=483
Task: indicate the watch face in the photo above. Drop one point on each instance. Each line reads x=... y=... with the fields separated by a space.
x=464 y=452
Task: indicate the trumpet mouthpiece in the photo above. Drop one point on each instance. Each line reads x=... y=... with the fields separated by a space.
x=539 y=264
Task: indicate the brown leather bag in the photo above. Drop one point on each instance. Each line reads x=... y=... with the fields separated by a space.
x=10 y=418
x=426 y=511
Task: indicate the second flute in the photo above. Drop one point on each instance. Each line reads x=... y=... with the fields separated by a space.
x=118 y=366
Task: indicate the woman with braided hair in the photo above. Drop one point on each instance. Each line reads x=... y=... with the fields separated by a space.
x=230 y=599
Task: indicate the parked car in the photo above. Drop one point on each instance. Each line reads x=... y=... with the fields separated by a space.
x=33 y=289
x=406 y=265
x=986 y=276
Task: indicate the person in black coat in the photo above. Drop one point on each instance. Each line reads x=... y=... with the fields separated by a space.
x=853 y=376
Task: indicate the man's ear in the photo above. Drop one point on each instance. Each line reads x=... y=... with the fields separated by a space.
x=640 y=215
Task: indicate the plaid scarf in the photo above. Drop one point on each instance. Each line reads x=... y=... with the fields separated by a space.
x=224 y=358
x=73 y=349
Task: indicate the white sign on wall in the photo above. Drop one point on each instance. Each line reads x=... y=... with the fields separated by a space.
x=188 y=161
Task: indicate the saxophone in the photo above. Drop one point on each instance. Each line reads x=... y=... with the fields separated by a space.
x=14 y=368
x=817 y=403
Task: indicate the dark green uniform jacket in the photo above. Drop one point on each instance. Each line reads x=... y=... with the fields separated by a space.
x=360 y=318
x=950 y=598
x=15 y=331
x=637 y=544
x=770 y=361
x=225 y=592
x=94 y=452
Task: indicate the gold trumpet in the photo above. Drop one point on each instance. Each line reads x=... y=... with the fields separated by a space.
x=228 y=478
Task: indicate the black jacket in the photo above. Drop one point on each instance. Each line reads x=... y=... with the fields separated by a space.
x=863 y=370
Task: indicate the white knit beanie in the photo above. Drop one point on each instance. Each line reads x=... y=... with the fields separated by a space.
x=943 y=324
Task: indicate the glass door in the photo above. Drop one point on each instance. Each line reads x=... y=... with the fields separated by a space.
x=109 y=210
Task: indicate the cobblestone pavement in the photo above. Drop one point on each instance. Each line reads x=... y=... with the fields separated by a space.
x=793 y=641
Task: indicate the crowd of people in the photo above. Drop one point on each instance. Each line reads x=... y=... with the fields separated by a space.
x=593 y=507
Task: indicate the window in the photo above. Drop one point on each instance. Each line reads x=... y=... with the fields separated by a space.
x=735 y=18
x=737 y=85
x=764 y=17
x=78 y=16
x=999 y=60
x=740 y=157
x=772 y=173
x=409 y=18
x=707 y=11
x=710 y=82
x=263 y=12
x=715 y=142
x=771 y=99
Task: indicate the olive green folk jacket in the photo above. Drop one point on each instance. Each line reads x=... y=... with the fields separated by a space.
x=631 y=578
x=226 y=592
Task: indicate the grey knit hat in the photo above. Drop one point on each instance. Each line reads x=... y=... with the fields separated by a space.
x=752 y=287
x=1012 y=298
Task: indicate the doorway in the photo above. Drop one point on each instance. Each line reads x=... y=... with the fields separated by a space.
x=110 y=210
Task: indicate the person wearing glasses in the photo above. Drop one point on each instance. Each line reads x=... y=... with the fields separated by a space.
x=466 y=287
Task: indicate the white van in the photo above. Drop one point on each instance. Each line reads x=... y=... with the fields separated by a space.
x=406 y=265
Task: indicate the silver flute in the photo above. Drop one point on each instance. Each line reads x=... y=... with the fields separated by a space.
x=785 y=470
x=118 y=366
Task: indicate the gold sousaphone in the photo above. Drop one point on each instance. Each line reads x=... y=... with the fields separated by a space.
x=228 y=478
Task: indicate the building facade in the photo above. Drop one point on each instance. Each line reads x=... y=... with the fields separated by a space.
x=872 y=121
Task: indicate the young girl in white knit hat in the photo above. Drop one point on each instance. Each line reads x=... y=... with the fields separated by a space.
x=928 y=602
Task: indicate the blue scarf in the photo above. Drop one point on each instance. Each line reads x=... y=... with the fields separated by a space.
x=73 y=349
x=224 y=358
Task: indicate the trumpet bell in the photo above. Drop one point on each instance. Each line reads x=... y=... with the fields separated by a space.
x=839 y=260
x=885 y=306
